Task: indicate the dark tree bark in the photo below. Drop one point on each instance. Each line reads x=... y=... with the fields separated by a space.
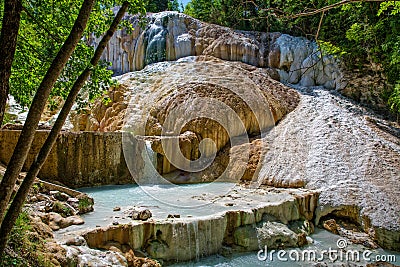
x=8 y=43
x=23 y=191
x=39 y=101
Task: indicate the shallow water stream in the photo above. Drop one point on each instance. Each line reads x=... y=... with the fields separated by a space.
x=323 y=240
x=125 y=196
x=194 y=200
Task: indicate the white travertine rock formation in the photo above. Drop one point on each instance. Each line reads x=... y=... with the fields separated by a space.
x=169 y=36
x=348 y=154
x=204 y=97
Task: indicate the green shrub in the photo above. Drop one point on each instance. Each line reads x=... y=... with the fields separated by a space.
x=85 y=204
x=394 y=100
x=24 y=247
x=61 y=209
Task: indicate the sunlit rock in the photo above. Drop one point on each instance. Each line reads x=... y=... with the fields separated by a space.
x=169 y=36
x=181 y=239
x=192 y=102
x=85 y=256
x=139 y=214
x=327 y=143
x=56 y=221
x=276 y=235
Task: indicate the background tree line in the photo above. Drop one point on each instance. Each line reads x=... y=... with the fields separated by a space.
x=362 y=32
x=44 y=25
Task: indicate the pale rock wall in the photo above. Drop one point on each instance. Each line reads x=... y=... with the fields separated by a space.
x=169 y=36
x=77 y=159
x=94 y=158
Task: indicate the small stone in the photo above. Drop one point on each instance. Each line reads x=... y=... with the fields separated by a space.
x=331 y=226
x=72 y=200
x=54 y=192
x=302 y=239
x=229 y=204
x=173 y=216
x=76 y=241
x=115 y=223
x=140 y=214
x=116 y=208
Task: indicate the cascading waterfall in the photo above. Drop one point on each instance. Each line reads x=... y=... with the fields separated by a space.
x=189 y=239
x=195 y=226
x=172 y=35
x=151 y=154
x=155 y=51
x=209 y=236
x=178 y=233
x=257 y=233
x=149 y=158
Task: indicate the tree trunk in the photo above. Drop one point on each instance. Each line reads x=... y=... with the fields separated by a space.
x=23 y=191
x=39 y=101
x=8 y=43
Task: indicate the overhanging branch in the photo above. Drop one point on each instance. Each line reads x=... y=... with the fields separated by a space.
x=326 y=8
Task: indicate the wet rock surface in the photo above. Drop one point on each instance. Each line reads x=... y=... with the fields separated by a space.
x=57 y=206
x=184 y=237
x=84 y=256
x=151 y=93
x=276 y=235
x=330 y=145
x=76 y=160
x=350 y=231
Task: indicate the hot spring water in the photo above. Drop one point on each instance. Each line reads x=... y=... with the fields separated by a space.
x=125 y=196
x=161 y=200
x=323 y=240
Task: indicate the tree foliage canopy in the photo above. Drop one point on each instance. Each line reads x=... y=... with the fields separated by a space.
x=360 y=32
x=43 y=29
x=155 y=6
x=64 y=60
